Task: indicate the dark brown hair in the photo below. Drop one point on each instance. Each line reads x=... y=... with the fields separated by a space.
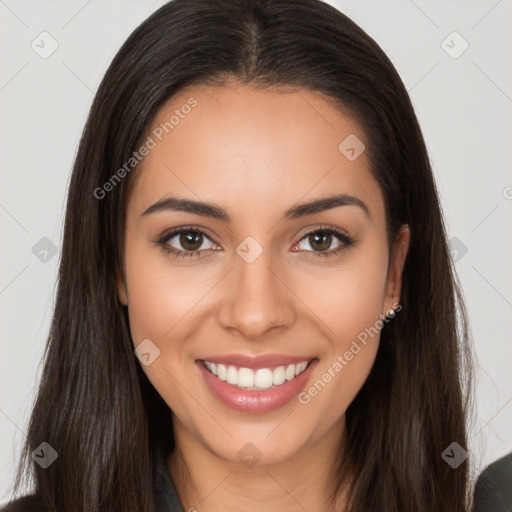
x=96 y=407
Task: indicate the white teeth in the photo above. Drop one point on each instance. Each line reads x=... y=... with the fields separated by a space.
x=263 y=378
x=245 y=378
x=232 y=375
x=299 y=368
x=290 y=372
x=221 y=372
x=279 y=376
x=260 y=379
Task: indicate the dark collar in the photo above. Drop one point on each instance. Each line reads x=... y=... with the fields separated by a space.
x=165 y=491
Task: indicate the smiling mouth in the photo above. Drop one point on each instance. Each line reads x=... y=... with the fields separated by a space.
x=259 y=379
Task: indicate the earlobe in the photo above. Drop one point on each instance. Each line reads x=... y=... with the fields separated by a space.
x=122 y=291
x=396 y=266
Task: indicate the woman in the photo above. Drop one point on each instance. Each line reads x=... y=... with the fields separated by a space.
x=256 y=306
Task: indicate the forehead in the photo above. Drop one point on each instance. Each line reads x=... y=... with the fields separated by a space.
x=258 y=148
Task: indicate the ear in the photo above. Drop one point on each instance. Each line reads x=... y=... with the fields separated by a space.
x=122 y=290
x=396 y=265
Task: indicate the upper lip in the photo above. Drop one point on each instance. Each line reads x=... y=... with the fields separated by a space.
x=255 y=361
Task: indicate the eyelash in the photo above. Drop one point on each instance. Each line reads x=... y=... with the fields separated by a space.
x=346 y=241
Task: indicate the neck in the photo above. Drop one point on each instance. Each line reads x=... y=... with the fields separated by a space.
x=306 y=481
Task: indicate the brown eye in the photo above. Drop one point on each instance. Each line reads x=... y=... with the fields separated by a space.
x=324 y=242
x=191 y=241
x=320 y=240
x=186 y=242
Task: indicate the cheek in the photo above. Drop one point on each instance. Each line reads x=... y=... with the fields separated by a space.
x=159 y=296
x=347 y=298
x=161 y=303
x=349 y=305
x=159 y=300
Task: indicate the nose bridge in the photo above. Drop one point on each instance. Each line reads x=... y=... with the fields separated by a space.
x=257 y=300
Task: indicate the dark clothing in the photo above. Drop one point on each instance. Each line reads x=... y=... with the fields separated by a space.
x=166 y=492
x=167 y=499
x=493 y=490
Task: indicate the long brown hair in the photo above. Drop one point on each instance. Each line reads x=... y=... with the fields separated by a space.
x=96 y=407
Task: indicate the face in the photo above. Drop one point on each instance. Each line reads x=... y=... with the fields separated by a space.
x=257 y=266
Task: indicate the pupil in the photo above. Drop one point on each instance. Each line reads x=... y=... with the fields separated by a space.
x=191 y=241
x=321 y=239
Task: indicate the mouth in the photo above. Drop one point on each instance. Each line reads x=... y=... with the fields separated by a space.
x=255 y=384
x=259 y=379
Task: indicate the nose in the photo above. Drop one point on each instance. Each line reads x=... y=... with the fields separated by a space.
x=256 y=300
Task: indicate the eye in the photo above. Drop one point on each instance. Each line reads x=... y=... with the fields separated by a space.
x=190 y=242
x=186 y=242
x=321 y=241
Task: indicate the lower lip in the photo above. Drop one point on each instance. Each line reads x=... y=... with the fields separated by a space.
x=255 y=401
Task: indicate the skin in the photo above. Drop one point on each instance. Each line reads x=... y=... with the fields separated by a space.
x=257 y=153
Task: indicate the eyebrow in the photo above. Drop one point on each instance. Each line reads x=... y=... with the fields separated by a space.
x=216 y=212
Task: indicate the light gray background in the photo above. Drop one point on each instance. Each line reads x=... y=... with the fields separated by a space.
x=464 y=106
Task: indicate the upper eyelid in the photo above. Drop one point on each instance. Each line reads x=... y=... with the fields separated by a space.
x=323 y=227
